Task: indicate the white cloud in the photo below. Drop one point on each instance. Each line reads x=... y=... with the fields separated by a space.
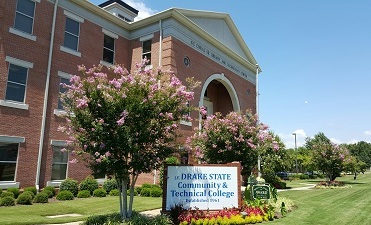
x=144 y=11
x=300 y=133
x=367 y=132
x=353 y=141
x=289 y=139
x=336 y=141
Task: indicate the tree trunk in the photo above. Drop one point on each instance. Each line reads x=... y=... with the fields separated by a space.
x=131 y=201
x=122 y=185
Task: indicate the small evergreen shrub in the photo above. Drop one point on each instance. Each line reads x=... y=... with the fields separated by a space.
x=145 y=192
x=114 y=218
x=99 y=193
x=138 y=189
x=48 y=193
x=65 y=195
x=84 y=194
x=50 y=188
x=145 y=185
x=7 y=201
x=41 y=197
x=114 y=192
x=32 y=189
x=69 y=185
x=25 y=198
x=89 y=184
x=109 y=185
x=7 y=194
x=15 y=191
x=135 y=192
x=156 y=192
x=1 y=191
x=30 y=193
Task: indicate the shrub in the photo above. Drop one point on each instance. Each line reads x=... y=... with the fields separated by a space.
x=128 y=192
x=7 y=194
x=50 y=188
x=89 y=184
x=15 y=191
x=145 y=185
x=84 y=194
x=25 y=198
x=7 y=201
x=114 y=192
x=114 y=218
x=69 y=185
x=32 y=189
x=99 y=193
x=156 y=192
x=41 y=197
x=145 y=192
x=1 y=191
x=109 y=185
x=65 y=195
x=30 y=193
x=138 y=189
x=48 y=193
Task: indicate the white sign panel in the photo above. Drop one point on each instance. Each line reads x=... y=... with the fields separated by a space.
x=204 y=187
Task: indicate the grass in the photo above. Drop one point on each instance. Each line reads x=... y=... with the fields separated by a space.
x=330 y=206
x=36 y=213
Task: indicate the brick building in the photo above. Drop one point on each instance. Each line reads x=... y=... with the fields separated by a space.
x=43 y=41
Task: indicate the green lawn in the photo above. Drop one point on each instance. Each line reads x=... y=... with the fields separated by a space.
x=36 y=213
x=330 y=206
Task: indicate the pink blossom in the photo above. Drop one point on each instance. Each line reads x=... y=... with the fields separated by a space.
x=81 y=103
x=73 y=161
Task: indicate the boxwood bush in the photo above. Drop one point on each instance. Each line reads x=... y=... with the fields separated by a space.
x=114 y=192
x=32 y=189
x=41 y=197
x=156 y=192
x=65 y=195
x=84 y=194
x=1 y=191
x=69 y=185
x=15 y=191
x=50 y=188
x=48 y=193
x=89 y=184
x=109 y=185
x=145 y=192
x=99 y=193
x=25 y=198
x=7 y=194
x=7 y=201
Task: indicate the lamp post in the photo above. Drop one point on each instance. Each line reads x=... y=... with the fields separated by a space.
x=296 y=155
x=257 y=111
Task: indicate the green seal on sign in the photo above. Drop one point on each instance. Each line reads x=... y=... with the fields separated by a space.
x=261 y=191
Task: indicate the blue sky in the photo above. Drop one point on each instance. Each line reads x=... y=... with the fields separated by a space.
x=315 y=58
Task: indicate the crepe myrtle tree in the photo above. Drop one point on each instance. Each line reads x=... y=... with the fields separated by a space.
x=328 y=157
x=235 y=137
x=126 y=125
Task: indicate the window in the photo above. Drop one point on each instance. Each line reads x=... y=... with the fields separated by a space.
x=146 y=50
x=62 y=90
x=124 y=18
x=109 y=49
x=71 y=34
x=8 y=161
x=24 y=16
x=17 y=82
x=60 y=162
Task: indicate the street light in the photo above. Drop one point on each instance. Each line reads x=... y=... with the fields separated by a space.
x=296 y=155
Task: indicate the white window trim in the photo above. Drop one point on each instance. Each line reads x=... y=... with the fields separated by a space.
x=146 y=38
x=104 y=63
x=12 y=104
x=18 y=62
x=22 y=34
x=70 y=51
x=73 y=16
x=58 y=143
x=59 y=112
x=12 y=139
x=186 y=123
x=64 y=75
x=110 y=33
x=8 y=184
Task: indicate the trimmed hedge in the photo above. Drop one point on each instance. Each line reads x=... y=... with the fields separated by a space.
x=7 y=201
x=7 y=194
x=41 y=197
x=114 y=192
x=84 y=194
x=145 y=192
x=48 y=192
x=32 y=189
x=25 y=198
x=89 y=184
x=50 y=188
x=65 y=195
x=15 y=191
x=69 y=185
x=109 y=185
x=99 y=193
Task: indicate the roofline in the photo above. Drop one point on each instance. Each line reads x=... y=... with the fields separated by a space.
x=123 y=4
x=177 y=14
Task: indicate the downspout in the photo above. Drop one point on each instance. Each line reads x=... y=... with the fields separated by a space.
x=160 y=47
x=45 y=105
x=159 y=66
